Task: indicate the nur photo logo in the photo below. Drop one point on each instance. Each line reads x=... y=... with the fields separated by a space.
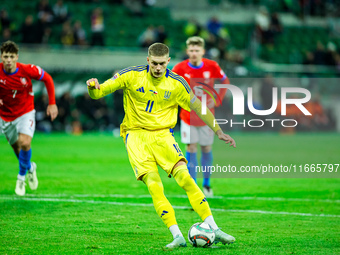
x=238 y=106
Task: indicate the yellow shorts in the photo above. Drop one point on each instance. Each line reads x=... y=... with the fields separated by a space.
x=147 y=149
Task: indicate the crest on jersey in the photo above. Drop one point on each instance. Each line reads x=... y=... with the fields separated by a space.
x=206 y=74
x=167 y=95
x=23 y=81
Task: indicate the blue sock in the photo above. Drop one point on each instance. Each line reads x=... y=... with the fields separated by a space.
x=192 y=163
x=24 y=161
x=206 y=161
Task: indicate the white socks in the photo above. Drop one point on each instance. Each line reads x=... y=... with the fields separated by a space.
x=174 y=229
x=31 y=168
x=210 y=220
x=21 y=177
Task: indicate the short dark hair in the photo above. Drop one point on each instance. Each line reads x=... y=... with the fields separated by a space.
x=10 y=47
x=158 y=50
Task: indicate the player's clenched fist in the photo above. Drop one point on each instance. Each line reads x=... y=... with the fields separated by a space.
x=93 y=83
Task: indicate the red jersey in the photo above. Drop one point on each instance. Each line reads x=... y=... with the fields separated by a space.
x=16 y=90
x=209 y=72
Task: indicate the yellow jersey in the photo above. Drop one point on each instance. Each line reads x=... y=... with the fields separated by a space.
x=149 y=103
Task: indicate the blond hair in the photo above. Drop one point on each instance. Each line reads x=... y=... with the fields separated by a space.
x=195 y=40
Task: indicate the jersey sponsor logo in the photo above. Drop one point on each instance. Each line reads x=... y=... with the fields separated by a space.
x=167 y=95
x=141 y=89
x=23 y=81
x=187 y=75
x=153 y=92
x=3 y=81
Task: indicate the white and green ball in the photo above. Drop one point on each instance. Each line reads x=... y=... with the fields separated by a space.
x=201 y=235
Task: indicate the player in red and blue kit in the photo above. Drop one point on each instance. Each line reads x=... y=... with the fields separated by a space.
x=201 y=74
x=17 y=114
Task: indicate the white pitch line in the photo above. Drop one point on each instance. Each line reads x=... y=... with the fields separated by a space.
x=184 y=196
x=151 y=205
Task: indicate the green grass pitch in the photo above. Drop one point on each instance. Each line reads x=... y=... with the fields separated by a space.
x=88 y=201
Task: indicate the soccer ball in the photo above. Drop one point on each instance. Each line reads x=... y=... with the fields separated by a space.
x=201 y=235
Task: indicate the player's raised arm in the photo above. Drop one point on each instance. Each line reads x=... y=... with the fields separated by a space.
x=209 y=119
x=97 y=90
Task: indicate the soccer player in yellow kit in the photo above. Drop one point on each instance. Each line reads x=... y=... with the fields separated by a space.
x=152 y=94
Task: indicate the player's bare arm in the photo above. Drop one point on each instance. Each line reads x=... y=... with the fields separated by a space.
x=225 y=137
x=1 y=102
x=52 y=111
x=196 y=105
